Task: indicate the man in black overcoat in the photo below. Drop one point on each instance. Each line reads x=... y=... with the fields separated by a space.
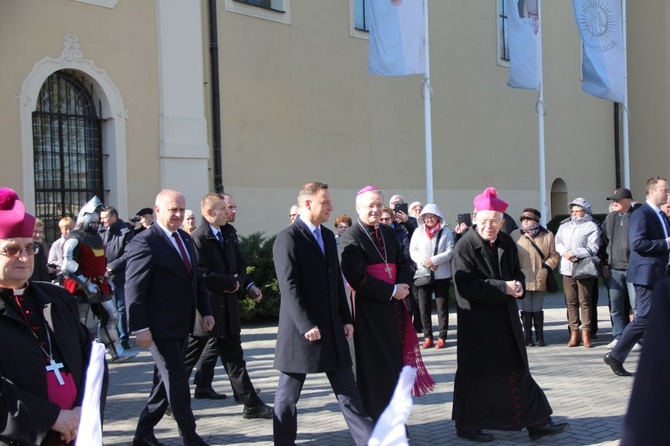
x=314 y=318
x=493 y=388
x=224 y=273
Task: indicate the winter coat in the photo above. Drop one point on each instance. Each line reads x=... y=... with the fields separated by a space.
x=421 y=246
x=581 y=236
x=533 y=266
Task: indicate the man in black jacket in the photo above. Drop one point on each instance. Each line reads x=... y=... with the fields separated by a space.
x=116 y=234
x=224 y=272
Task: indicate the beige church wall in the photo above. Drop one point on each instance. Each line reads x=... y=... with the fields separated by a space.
x=649 y=92
x=298 y=105
x=121 y=41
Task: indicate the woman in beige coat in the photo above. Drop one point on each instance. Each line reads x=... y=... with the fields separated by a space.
x=532 y=239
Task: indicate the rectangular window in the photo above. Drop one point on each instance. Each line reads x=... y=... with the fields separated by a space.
x=274 y=10
x=503 y=37
x=361 y=15
x=262 y=3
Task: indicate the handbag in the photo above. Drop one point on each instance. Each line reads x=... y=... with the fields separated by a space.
x=426 y=276
x=586 y=268
x=550 y=282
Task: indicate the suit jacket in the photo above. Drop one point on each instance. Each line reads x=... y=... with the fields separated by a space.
x=25 y=410
x=312 y=294
x=160 y=293
x=649 y=250
x=218 y=265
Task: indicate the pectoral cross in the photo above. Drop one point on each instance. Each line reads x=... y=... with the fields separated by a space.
x=388 y=270
x=55 y=367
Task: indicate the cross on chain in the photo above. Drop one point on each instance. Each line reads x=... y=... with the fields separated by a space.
x=55 y=367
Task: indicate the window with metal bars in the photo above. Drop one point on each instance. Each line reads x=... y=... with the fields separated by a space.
x=67 y=149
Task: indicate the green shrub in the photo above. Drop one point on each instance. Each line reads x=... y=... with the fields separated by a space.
x=257 y=252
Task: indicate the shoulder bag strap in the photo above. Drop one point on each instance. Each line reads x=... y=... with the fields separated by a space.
x=537 y=248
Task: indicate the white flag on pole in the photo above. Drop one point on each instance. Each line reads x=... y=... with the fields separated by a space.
x=603 y=58
x=396 y=37
x=525 y=44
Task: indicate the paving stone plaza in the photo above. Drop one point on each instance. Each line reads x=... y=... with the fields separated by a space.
x=580 y=388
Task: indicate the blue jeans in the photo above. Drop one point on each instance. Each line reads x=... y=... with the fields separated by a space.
x=120 y=296
x=619 y=292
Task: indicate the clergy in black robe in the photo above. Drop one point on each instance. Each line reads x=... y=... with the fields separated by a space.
x=493 y=387
x=379 y=310
x=39 y=327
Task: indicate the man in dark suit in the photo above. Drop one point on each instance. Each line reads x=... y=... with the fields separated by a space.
x=314 y=318
x=223 y=269
x=649 y=236
x=162 y=292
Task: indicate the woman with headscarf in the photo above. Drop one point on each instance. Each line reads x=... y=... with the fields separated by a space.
x=538 y=259
x=432 y=247
x=578 y=237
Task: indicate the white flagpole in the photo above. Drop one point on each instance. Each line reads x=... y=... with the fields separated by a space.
x=626 y=152
x=427 y=92
x=540 y=128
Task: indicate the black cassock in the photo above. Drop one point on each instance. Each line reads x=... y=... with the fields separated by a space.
x=493 y=387
x=26 y=413
x=378 y=318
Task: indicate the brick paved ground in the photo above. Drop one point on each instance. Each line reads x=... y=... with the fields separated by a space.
x=580 y=387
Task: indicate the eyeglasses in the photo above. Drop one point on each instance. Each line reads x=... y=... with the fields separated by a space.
x=343 y=227
x=492 y=222
x=374 y=207
x=15 y=251
x=429 y=217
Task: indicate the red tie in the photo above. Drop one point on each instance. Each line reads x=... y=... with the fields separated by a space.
x=182 y=251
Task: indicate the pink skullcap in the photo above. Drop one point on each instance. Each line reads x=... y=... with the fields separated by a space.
x=368 y=189
x=489 y=201
x=14 y=221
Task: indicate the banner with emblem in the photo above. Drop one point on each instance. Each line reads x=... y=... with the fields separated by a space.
x=603 y=57
x=525 y=44
x=396 y=37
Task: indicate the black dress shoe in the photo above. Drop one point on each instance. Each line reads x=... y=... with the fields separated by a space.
x=616 y=366
x=125 y=345
x=260 y=411
x=477 y=435
x=548 y=428
x=146 y=441
x=208 y=394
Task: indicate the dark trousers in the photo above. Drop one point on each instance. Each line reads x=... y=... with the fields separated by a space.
x=170 y=387
x=232 y=358
x=634 y=331
x=343 y=384
x=204 y=376
x=120 y=296
x=441 y=289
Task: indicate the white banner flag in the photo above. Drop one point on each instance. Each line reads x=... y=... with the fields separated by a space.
x=603 y=58
x=396 y=37
x=525 y=44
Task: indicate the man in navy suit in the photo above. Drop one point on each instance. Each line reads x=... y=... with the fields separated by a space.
x=314 y=318
x=162 y=293
x=649 y=236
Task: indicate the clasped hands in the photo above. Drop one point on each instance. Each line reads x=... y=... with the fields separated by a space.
x=514 y=288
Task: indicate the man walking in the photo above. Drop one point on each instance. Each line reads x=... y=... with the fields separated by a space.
x=649 y=236
x=223 y=269
x=162 y=292
x=314 y=318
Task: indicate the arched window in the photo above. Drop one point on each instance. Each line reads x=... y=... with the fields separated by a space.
x=559 y=198
x=67 y=149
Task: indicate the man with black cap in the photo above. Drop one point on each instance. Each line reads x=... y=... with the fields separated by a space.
x=45 y=350
x=649 y=235
x=615 y=265
x=146 y=219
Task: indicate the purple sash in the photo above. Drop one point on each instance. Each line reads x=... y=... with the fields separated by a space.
x=411 y=354
x=62 y=395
